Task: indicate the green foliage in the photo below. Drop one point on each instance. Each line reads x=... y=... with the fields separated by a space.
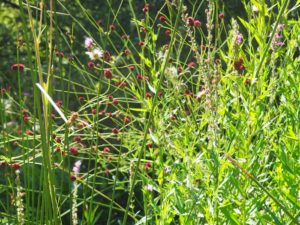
x=158 y=118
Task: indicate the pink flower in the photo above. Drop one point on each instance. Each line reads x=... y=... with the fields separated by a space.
x=76 y=168
x=88 y=42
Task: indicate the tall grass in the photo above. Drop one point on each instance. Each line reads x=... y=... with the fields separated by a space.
x=184 y=116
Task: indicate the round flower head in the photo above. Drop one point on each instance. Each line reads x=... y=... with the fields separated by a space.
x=95 y=54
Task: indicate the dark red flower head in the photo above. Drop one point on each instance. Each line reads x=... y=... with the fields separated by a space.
x=18 y=66
x=239 y=65
x=162 y=19
x=73 y=150
x=146 y=8
x=190 y=21
x=108 y=73
x=115 y=130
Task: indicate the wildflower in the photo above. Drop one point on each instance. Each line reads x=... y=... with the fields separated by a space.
x=59 y=103
x=115 y=130
x=15 y=166
x=59 y=54
x=91 y=64
x=192 y=65
x=19 y=201
x=121 y=84
x=254 y=9
x=81 y=99
x=88 y=42
x=72 y=178
x=57 y=149
x=277 y=39
x=171 y=71
x=148 y=166
x=197 y=23
x=167 y=33
x=73 y=150
x=94 y=111
x=167 y=170
x=3 y=163
x=126 y=120
x=239 y=65
x=148 y=95
x=108 y=73
x=149 y=145
x=238 y=39
x=26 y=118
x=29 y=132
x=115 y=101
x=72 y=119
x=247 y=81
x=18 y=67
x=131 y=67
x=76 y=168
x=139 y=77
x=141 y=43
x=162 y=19
x=99 y=22
x=95 y=54
x=58 y=140
x=221 y=16
x=102 y=113
x=190 y=21
x=106 y=56
x=125 y=37
x=146 y=8
x=112 y=27
x=106 y=150
x=126 y=52
x=149 y=187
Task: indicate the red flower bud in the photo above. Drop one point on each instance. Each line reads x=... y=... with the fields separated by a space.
x=197 y=23
x=18 y=66
x=115 y=130
x=126 y=120
x=108 y=73
x=162 y=19
x=73 y=150
x=168 y=33
x=91 y=64
x=190 y=21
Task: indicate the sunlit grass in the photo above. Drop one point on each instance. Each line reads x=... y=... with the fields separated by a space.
x=170 y=120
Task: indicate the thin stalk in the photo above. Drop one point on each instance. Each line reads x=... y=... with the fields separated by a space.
x=151 y=115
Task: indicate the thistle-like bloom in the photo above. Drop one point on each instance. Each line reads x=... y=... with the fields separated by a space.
x=88 y=42
x=95 y=54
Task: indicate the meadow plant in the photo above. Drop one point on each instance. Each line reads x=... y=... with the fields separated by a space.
x=157 y=112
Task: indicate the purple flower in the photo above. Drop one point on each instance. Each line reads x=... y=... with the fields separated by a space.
x=149 y=187
x=88 y=42
x=76 y=168
x=238 y=39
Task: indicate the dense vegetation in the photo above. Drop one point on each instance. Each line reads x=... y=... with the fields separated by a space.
x=149 y=112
